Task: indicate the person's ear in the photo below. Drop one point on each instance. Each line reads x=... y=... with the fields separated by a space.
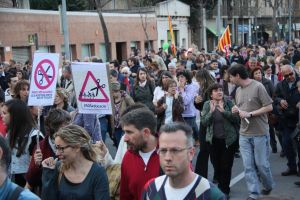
x=146 y=132
x=191 y=153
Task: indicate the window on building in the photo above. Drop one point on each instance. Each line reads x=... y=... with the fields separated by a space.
x=63 y=51
x=87 y=50
x=102 y=52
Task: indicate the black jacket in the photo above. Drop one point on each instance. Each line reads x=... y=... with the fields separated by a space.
x=288 y=117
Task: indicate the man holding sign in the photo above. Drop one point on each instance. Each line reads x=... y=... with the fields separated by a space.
x=252 y=104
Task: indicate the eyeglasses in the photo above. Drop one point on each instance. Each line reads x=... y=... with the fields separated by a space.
x=288 y=75
x=61 y=149
x=124 y=73
x=172 y=151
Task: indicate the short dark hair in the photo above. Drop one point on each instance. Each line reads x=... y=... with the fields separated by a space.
x=240 y=70
x=266 y=67
x=163 y=73
x=55 y=119
x=140 y=118
x=187 y=74
x=213 y=87
x=285 y=62
x=114 y=73
x=223 y=69
x=134 y=107
x=6 y=155
x=254 y=70
x=179 y=126
x=170 y=82
x=10 y=76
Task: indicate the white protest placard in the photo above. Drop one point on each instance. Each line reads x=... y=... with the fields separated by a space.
x=91 y=87
x=43 y=79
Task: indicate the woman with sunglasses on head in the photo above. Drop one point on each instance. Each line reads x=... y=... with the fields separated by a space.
x=76 y=175
x=22 y=137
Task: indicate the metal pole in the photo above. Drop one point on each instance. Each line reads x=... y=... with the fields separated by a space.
x=219 y=20
x=249 y=31
x=204 y=29
x=290 y=21
x=65 y=29
x=36 y=41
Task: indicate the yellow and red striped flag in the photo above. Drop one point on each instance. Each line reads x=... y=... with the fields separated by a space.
x=225 y=42
x=173 y=47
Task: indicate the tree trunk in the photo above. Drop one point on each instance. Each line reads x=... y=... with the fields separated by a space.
x=105 y=31
x=144 y=25
x=14 y=3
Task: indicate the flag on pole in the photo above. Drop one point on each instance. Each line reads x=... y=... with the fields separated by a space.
x=225 y=42
x=173 y=47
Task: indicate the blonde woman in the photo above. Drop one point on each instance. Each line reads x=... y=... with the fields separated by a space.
x=61 y=100
x=76 y=175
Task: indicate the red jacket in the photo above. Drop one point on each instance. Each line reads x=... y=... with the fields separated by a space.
x=34 y=173
x=135 y=174
x=2 y=127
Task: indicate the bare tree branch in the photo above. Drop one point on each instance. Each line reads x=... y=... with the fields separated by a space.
x=98 y=6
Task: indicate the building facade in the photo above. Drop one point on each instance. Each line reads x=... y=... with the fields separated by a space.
x=85 y=33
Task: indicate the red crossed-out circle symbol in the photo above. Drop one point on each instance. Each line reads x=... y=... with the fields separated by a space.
x=46 y=74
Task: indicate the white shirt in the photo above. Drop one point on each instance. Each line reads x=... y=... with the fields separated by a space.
x=178 y=193
x=168 y=112
x=7 y=95
x=146 y=156
x=19 y=165
x=158 y=94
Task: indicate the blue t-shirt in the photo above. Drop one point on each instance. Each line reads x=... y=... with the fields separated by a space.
x=8 y=188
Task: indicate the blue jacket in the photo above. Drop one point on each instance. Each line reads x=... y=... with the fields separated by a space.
x=8 y=187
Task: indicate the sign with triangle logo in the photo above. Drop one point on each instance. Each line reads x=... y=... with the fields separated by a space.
x=94 y=93
x=92 y=89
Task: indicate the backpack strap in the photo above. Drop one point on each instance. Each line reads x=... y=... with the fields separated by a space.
x=16 y=193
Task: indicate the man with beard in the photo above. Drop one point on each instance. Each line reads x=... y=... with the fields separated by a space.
x=176 y=152
x=141 y=161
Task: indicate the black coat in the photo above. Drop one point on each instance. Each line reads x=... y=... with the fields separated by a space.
x=288 y=117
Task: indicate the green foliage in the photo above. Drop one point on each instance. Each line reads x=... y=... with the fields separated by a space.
x=72 y=5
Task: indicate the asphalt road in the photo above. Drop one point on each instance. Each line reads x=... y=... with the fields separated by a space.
x=284 y=185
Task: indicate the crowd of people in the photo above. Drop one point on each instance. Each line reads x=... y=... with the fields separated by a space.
x=247 y=102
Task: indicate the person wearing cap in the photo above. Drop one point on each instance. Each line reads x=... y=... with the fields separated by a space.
x=121 y=100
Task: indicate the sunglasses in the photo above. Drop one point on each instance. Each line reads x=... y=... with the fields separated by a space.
x=288 y=75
